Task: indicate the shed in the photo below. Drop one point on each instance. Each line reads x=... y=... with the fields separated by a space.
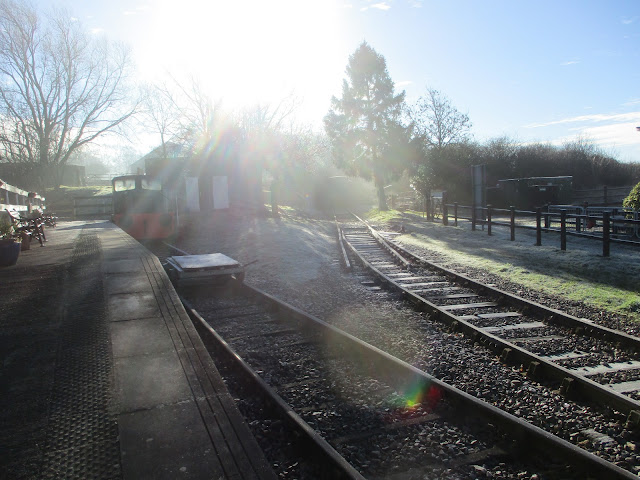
x=531 y=192
x=202 y=179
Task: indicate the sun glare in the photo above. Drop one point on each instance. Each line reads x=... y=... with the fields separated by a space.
x=248 y=51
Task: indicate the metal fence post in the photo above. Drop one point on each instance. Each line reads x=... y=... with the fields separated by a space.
x=445 y=214
x=547 y=218
x=455 y=213
x=433 y=210
x=513 y=223
x=606 y=225
x=538 y=226
x=578 y=223
x=489 y=220
x=563 y=229
x=473 y=218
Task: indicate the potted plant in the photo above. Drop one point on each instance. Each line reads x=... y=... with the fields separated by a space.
x=9 y=244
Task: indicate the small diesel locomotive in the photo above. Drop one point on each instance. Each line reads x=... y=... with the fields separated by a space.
x=141 y=207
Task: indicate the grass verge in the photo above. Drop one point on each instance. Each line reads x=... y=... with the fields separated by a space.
x=579 y=274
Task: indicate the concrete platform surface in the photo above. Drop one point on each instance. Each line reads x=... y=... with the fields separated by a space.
x=103 y=374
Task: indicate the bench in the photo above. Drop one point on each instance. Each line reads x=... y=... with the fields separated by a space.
x=49 y=219
x=32 y=227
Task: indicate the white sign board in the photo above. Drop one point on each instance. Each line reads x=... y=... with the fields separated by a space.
x=220 y=193
x=192 y=194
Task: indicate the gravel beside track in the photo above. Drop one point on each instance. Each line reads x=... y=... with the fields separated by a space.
x=298 y=261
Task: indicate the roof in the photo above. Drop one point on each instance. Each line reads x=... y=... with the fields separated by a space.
x=172 y=149
x=567 y=177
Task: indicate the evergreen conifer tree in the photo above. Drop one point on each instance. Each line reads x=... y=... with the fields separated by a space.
x=364 y=125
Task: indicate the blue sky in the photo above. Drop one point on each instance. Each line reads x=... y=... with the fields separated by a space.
x=535 y=71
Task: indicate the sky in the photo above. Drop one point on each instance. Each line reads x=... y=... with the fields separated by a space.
x=543 y=71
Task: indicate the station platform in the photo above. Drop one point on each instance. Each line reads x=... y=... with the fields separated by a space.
x=103 y=375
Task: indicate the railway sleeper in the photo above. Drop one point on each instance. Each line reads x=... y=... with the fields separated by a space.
x=479 y=457
x=359 y=436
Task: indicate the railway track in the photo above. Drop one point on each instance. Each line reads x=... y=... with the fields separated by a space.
x=367 y=414
x=576 y=418
x=584 y=359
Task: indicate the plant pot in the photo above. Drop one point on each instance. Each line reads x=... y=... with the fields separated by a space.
x=26 y=241
x=9 y=252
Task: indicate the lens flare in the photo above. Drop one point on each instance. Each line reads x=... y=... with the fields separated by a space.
x=423 y=393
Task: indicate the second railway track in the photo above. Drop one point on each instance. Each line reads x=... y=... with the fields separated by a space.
x=588 y=360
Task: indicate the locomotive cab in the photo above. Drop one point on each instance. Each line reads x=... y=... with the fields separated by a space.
x=141 y=208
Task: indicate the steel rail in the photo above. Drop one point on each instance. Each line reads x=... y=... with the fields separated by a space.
x=346 y=263
x=336 y=465
x=572 y=383
x=400 y=374
x=175 y=249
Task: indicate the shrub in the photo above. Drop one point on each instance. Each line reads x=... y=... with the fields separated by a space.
x=633 y=200
x=6 y=229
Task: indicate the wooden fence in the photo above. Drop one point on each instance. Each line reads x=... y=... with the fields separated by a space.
x=18 y=200
x=100 y=207
x=608 y=225
x=603 y=196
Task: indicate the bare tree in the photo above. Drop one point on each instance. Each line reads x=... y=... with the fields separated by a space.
x=298 y=155
x=251 y=138
x=160 y=113
x=198 y=110
x=262 y=118
x=60 y=88
x=263 y=145
x=199 y=116
x=438 y=126
x=438 y=121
